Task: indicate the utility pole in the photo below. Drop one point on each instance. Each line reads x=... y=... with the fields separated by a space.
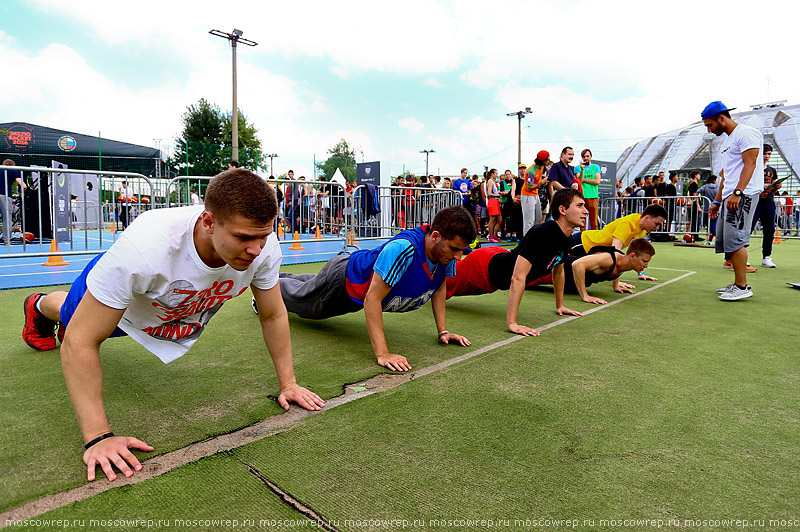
x=271 y=171
x=427 y=153
x=235 y=38
x=520 y=115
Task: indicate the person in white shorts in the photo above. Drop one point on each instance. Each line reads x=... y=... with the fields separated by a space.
x=741 y=181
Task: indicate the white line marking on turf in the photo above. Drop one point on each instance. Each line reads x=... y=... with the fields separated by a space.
x=158 y=465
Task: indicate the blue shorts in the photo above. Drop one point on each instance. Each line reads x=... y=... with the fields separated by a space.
x=76 y=294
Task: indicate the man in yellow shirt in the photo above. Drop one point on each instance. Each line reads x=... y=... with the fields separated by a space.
x=621 y=231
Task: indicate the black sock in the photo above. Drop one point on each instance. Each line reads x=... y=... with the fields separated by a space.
x=742 y=287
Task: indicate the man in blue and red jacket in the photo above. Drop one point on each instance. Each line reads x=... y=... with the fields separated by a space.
x=401 y=275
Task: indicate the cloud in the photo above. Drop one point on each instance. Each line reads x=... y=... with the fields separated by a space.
x=411 y=124
x=432 y=82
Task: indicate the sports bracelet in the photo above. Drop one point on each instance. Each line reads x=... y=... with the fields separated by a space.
x=443 y=333
x=715 y=202
x=99 y=438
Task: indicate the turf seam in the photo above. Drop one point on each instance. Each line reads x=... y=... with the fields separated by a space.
x=156 y=466
x=289 y=499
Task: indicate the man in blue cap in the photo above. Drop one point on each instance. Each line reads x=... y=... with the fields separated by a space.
x=742 y=161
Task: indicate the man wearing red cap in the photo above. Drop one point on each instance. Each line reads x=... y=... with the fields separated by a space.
x=535 y=178
x=741 y=182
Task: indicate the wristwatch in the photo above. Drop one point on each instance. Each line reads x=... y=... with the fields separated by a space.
x=738 y=193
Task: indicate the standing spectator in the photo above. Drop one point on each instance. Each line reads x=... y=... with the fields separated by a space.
x=292 y=199
x=125 y=195
x=195 y=197
x=516 y=217
x=649 y=188
x=507 y=204
x=694 y=204
x=535 y=178
x=670 y=191
x=741 y=183
x=492 y=195
x=233 y=163
x=590 y=177
x=462 y=185
x=765 y=210
x=709 y=191
x=7 y=177
x=561 y=174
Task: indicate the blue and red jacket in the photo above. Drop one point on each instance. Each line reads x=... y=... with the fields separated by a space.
x=416 y=286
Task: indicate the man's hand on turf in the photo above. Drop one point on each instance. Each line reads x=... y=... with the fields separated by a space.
x=625 y=288
x=455 y=338
x=646 y=278
x=394 y=362
x=516 y=328
x=303 y=397
x=112 y=452
x=595 y=300
x=564 y=310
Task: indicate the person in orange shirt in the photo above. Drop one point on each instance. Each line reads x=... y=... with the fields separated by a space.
x=535 y=177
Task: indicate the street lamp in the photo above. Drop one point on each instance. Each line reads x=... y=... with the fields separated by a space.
x=427 y=153
x=235 y=38
x=271 y=155
x=519 y=115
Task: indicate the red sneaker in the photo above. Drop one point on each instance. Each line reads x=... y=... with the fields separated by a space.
x=38 y=332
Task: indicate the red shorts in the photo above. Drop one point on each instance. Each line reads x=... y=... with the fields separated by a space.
x=493 y=207
x=472 y=274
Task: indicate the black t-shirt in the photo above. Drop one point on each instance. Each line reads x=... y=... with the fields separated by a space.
x=649 y=191
x=693 y=188
x=661 y=189
x=671 y=190
x=7 y=179
x=544 y=246
x=519 y=182
x=770 y=174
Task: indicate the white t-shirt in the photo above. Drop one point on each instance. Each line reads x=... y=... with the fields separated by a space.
x=742 y=138
x=195 y=199
x=154 y=272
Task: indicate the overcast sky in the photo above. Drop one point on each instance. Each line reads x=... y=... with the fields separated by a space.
x=396 y=78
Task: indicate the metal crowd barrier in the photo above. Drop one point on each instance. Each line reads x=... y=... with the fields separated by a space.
x=689 y=214
x=787 y=218
x=381 y=212
x=46 y=210
x=685 y=214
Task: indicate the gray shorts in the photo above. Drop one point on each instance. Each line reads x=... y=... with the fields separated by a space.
x=733 y=227
x=319 y=296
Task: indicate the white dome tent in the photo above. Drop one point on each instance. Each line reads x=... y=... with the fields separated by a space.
x=693 y=148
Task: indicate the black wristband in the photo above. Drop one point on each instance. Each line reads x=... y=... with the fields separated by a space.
x=99 y=438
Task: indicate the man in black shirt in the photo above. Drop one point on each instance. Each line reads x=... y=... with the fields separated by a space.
x=541 y=251
x=765 y=211
x=694 y=206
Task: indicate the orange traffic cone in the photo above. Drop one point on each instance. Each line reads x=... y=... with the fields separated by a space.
x=281 y=234
x=777 y=239
x=317 y=235
x=351 y=241
x=55 y=260
x=296 y=245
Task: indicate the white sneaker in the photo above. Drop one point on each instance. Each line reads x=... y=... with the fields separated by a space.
x=255 y=307
x=767 y=262
x=723 y=290
x=735 y=293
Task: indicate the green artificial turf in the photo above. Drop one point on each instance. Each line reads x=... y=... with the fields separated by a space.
x=216 y=493
x=670 y=404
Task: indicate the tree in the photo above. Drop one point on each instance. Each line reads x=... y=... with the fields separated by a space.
x=341 y=156
x=207 y=130
x=250 y=154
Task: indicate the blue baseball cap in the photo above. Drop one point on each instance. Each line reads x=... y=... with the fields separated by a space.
x=713 y=109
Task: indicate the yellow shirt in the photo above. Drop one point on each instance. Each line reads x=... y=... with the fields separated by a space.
x=624 y=229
